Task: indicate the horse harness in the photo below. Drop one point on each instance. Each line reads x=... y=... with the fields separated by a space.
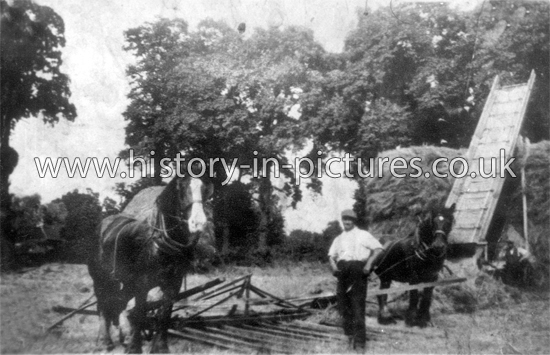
x=161 y=240
x=420 y=248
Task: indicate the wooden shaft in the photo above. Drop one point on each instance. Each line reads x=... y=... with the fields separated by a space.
x=222 y=287
x=185 y=294
x=70 y=315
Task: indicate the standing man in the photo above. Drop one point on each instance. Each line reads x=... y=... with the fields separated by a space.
x=351 y=256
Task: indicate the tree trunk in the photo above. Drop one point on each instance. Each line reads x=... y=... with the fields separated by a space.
x=8 y=162
x=265 y=193
x=225 y=240
x=7 y=257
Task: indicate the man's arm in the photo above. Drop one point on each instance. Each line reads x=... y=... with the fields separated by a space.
x=369 y=265
x=333 y=266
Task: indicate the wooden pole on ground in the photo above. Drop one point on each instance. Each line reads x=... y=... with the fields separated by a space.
x=82 y=307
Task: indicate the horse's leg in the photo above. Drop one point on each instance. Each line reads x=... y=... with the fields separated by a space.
x=104 y=328
x=120 y=306
x=137 y=318
x=384 y=316
x=424 y=308
x=160 y=342
x=121 y=335
x=105 y=290
x=410 y=318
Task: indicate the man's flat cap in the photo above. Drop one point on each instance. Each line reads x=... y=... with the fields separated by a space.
x=349 y=214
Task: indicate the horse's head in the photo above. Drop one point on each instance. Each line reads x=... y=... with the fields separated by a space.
x=192 y=194
x=434 y=230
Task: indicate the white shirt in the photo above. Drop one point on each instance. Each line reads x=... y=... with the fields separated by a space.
x=355 y=244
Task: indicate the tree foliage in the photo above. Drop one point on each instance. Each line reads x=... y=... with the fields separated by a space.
x=224 y=97
x=32 y=84
x=29 y=216
x=413 y=74
x=515 y=40
x=418 y=74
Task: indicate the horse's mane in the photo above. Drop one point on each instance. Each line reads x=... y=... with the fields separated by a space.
x=167 y=200
x=149 y=202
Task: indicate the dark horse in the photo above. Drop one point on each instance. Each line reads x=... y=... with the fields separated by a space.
x=150 y=244
x=415 y=259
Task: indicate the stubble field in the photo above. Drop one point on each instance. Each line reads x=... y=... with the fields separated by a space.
x=493 y=320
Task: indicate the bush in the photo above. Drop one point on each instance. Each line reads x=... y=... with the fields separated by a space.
x=308 y=246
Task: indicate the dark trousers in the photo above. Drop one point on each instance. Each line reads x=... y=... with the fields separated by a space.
x=352 y=294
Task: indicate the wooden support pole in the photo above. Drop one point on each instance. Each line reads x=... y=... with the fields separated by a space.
x=524 y=195
x=247 y=294
x=221 y=292
x=388 y=291
x=282 y=301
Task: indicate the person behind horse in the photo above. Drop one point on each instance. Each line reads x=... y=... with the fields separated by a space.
x=518 y=261
x=351 y=255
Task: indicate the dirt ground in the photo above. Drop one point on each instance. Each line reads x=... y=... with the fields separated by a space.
x=501 y=320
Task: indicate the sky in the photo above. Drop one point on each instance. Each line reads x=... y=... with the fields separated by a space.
x=95 y=62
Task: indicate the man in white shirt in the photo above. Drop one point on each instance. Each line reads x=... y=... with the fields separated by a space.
x=351 y=256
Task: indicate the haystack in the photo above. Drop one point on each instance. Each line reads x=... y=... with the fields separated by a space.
x=395 y=204
x=537 y=178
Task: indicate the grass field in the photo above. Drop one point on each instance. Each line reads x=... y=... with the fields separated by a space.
x=492 y=320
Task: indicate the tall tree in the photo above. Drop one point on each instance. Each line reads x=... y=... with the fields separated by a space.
x=158 y=47
x=226 y=98
x=32 y=83
x=513 y=40
x=419 y=73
